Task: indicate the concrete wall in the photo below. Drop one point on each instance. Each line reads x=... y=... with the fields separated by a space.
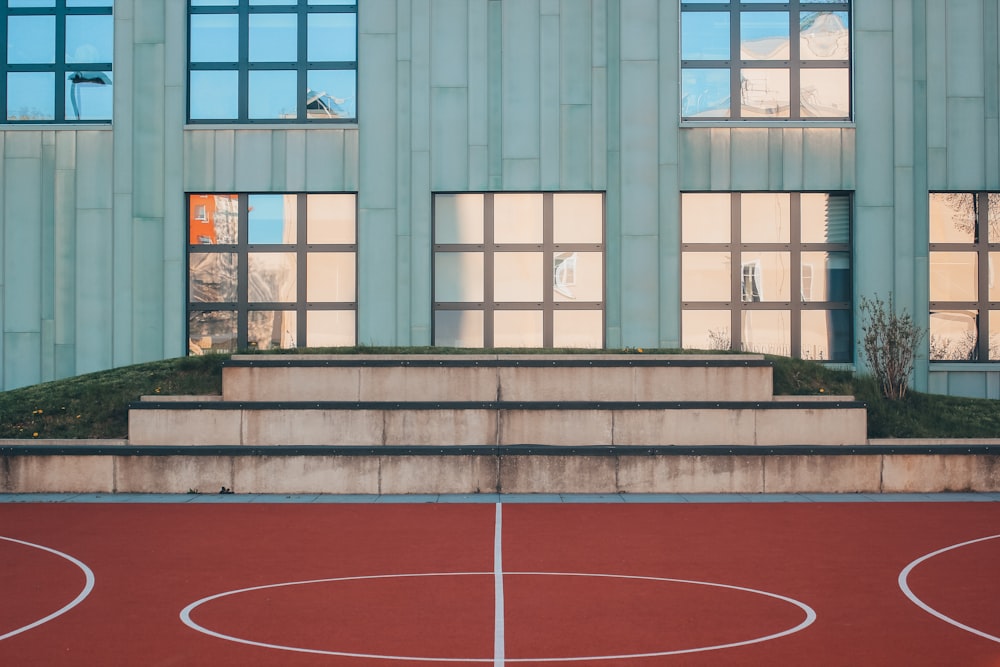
x=482 y=95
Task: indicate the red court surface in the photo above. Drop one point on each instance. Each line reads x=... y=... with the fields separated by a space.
x=437 y=584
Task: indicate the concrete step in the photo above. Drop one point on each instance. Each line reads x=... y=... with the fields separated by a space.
x=442 y=424
x=579 y=377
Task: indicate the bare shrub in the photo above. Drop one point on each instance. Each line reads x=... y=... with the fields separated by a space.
x=890 y=340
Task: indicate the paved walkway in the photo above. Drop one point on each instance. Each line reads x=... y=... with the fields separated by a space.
x=495 y=497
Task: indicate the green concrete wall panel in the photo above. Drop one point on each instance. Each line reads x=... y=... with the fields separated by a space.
x=352 y=152
x=224 y=156
x=378 y=16
x=874 y=103
x=966 y=149
x=252 y=156
x=936 y=63
x=576 y=160
x=775 y=148
x=874 y=227
x=278 y=166
x=175 y=42
x=199 y=160
x=65 y=361
x=420 y=76
x=694 y=151
x=937 y=168
x=639 y=294
x=449 y=137
x=521 y=88
x=47 y=204
x=94 y=178
x=64 y=286
x=123 y=279
x=639 y=34
x=94 y=284
x=792 y=158
x=750 y=168
x=670 y=259
x=326 y=161
x=450 y=43
x=149 y=128
x=549 y=76
x=721 y=158
x=150 y=21
x=822 y=159
x=147 y=289
x=377 y=277
x=521 y=174
x=420 y=250
x=22 y=362
x=478 y=77
x=875 y=15
x=174 y=330
x=599 y=130
x=65 y=150
x=22 y=242
x=639 y=157
x=575 y=52
x=378 y=144
x=47 y=354
x=479 y=168
x=848 y=159
x=963 y=37
x=294 y=150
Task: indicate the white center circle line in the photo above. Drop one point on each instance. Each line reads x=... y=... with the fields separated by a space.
x=905 y=587
x=810 y=617
x=87 y=588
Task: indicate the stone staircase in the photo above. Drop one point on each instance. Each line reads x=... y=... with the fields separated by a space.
x=442 y=401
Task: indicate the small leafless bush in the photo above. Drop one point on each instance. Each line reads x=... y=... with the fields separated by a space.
x=890 y=340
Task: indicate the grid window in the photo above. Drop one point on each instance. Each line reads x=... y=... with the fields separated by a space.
x=964 y=287
x=767 y=273
x=57 y=65
x=272 y=61
x=519 y=269
x=271 y=271
x=765 y=60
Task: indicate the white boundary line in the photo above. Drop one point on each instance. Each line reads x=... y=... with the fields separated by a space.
x=809 y=619
x=905 y=587
x=499 y=644
x=87 y=588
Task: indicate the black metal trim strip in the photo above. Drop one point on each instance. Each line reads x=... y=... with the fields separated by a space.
x=417 y=362
x=499 y=451
x=492 y=405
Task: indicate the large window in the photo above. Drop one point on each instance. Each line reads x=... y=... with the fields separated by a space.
x=269 y=271
x=272 y=60
x=765 y=60
x=768 y=273
x=964 y=288
x=57 y=67
x=519 y=270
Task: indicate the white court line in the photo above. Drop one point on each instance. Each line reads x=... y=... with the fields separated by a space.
x=89 y=586
x=905 y=586
x=498 y=628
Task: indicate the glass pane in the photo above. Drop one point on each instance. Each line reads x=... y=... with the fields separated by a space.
x=705 y=36
x=213 y=219
x=458 y=328
x=578 y=217
x=826 y=276
x=458 y=218
x=271 y=329
x=706 y=218
x=578 y=328
x=89 y=3
x=824 y=36
x=706 y=276
x=214 y=95
x=31 y=40
x=273 y=38
x=578 y=276
x=954 y=276
x=517 y=218
x=953 y=335
x=766 y=276
x=330 y=219
x=518 y=276
x=517 y=328
x=271 y=277
x=31 y=96
x=826 y=335
x=271 y=219
x=993 y=204
x=332 y=2
x=330 y=328
x=994 y=335
x=706 y=330
x=332 y=37
x=89 y=96
x=765 y=218
x=254 y=3
x=271 y=94
x=31 y=3
x=766 y=332
x=332 y=94
x=214 y=3
x=764 y=93
x=212 y=277
x=331 y=277
x=458 y=277
x=953 y=217
x=211 y=332
x=764 y=36
x=825 y=93
x=705 y=93
x=89 y=39
x=825 y=218
x=214 y=38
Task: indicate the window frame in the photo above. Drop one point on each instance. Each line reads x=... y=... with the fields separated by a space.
x=795 y=65
x=737 y=304
x=490 y=248
x=242 y=249
x=982 y=305
x=242 y=9
x=60 y=69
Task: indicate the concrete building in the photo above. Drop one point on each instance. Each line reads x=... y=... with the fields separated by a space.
x=179 y=177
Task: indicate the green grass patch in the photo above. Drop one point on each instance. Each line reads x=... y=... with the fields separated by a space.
x=96 y=405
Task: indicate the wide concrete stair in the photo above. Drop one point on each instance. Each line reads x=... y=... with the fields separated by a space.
x=507 y=400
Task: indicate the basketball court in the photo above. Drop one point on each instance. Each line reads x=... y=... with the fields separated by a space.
x=496 y=580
